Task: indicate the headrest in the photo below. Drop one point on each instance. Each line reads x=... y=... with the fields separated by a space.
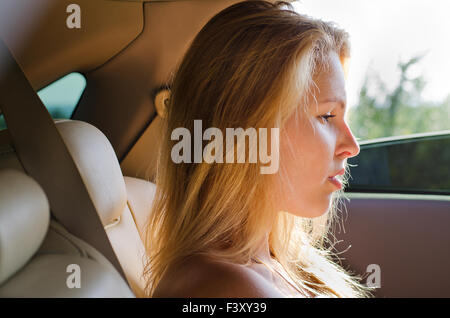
x=98 y=166
x=24 y=220
x=96 y=161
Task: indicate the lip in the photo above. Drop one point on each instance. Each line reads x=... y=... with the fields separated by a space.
x=339 y=173
x=335 y=181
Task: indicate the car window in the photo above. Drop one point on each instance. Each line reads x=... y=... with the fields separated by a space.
x=417 y=164
x=60 y=97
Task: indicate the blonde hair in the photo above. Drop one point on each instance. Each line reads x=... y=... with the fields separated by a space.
x=241 y=70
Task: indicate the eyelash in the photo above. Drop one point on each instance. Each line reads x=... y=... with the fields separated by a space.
x=325 y=117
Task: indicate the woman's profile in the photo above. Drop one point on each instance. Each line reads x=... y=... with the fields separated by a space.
x=221 y=229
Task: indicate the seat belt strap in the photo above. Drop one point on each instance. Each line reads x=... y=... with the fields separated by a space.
x=45 y=157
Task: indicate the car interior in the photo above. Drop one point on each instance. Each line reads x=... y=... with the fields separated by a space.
x=78 y=190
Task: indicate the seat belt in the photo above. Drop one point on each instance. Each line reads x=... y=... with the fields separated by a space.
x=45 y=157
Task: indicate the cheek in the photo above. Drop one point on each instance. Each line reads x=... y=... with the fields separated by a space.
x=306 y=156
x=322 y=141
x=307 y=150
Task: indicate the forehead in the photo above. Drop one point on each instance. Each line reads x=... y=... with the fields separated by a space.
x=330 y=82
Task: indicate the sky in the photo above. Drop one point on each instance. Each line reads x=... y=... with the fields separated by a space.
x=383 y=32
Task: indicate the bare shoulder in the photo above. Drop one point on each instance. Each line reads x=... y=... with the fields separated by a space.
x=200 y=276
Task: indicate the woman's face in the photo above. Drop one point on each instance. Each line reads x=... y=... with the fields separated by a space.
x=314 y=148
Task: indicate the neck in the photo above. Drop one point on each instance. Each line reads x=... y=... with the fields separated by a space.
x=263 y=253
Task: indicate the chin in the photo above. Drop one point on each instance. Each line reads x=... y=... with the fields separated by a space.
x=310 y=213
x=302 y=207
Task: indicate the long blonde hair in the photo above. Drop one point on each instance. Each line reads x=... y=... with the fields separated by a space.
x=241 y=70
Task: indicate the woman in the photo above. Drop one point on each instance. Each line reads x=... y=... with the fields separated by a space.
x=226 y=229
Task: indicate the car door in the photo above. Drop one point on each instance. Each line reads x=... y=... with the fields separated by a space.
x=396 y=224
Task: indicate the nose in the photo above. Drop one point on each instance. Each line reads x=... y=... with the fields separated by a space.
x=347 y=146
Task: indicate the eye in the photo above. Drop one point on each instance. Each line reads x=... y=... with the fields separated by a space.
x=325 y=117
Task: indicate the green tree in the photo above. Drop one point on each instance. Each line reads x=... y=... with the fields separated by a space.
x=401 y=111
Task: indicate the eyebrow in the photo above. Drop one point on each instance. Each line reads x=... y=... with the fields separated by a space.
x=341 y=102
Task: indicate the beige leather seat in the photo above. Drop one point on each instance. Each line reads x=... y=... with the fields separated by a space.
x=122 y=203
x=36 y=253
